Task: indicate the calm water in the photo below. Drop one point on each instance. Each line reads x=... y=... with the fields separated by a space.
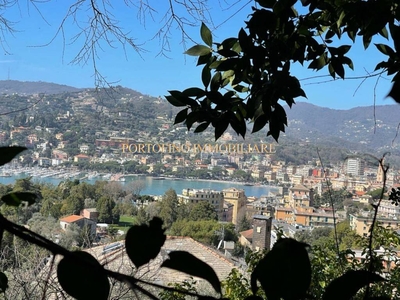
x=159 y=187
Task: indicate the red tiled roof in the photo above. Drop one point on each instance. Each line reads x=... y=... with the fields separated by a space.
x=248 y=234
x=81 y=156
x=71 y=219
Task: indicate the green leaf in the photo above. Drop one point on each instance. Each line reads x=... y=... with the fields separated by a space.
x=206 y=35
x=244 y=40
x=339 y=21
x=384 y=33
x=347 y=61
x=266 y=3
x=3 y=282
x=143 y=242
x=82 y=277
x=182 y=98
x=221 y=126
x=366 y=40
x=337 y=66
x=395 y=91
x=8 y=153
x=343 y=49
x=240 y=88
x=381 y=65
x=187 y=263
x=206 y=76
x=227 y=53
x=260 y=123
x=395 y=33
x=181 y=116
x=331 y=70
x=202 y=127
x=347 y=285
x=15 y=199
x=214 y=86
x=385 y=49
x=202 y=60
x=329 y=34
x=198 y=50
x=194 y=92
x=174 y=101
x=318 y=63
x=192 y=118
x=229 y=43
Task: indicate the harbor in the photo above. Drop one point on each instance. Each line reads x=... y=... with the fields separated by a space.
x=152 y=185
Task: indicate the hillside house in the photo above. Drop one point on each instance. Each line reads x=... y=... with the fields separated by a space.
x=80 y=221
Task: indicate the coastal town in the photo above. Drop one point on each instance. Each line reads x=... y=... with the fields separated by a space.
x=69 y=142
x=185 y=149
x=91 y=174
x=298 y=203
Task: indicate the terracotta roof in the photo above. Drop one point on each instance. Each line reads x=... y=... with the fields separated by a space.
x=284 y=209
x=71 y=219
x=248 y=234
x=81 y=156
x=300 y=187
x=220 y=263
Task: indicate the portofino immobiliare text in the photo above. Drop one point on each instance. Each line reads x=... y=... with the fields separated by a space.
x=196 y=148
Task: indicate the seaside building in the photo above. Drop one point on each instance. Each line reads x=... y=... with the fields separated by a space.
x=215 y=198
x=238 y=198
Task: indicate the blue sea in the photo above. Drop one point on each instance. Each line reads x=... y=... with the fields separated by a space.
x=153 y=186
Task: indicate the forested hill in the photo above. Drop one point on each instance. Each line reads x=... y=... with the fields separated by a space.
x=33 y=87
x=368 y=127
x=121 y=111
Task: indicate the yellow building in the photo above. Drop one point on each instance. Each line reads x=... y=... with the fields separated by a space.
x=215 y=198
x=299 y=195
x=306 y=216
x=238 y=199
x=361 y=224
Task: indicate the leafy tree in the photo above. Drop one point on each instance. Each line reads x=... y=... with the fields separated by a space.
x=26 y=185
x=337 y=197
x=72 y=205
x=243 y=224
x=204 y=231
x=376 y=194
x=169 y=208
x=105 y=207
x=314 y=236
x=142 y=217
x=247 y=76
x=202 y=211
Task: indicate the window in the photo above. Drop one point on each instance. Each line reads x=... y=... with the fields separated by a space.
x=258 y=229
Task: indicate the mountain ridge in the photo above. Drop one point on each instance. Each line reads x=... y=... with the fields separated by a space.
x=360 y=128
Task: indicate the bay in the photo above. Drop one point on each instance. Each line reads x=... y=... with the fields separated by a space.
x=155 y=186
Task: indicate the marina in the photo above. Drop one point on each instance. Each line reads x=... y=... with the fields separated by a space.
x=152 y=185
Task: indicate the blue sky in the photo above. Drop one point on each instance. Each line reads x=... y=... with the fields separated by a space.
x=24 y=56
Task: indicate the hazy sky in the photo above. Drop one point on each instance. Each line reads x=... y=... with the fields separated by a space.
x=38 y=51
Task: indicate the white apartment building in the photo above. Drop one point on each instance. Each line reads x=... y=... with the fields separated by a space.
x=355 y=166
